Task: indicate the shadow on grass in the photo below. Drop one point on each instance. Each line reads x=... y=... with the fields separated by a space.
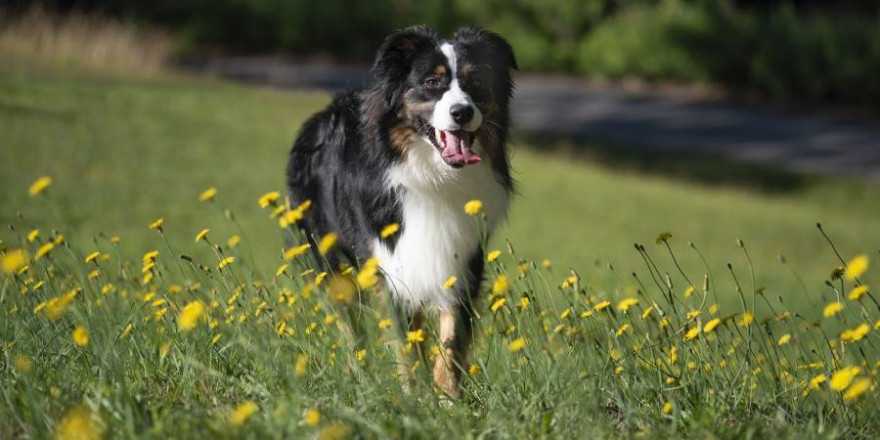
x=695 y=167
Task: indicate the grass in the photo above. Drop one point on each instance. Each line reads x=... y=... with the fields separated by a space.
x=124 y=151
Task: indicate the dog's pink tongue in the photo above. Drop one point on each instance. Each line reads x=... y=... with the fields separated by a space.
x=457 y=148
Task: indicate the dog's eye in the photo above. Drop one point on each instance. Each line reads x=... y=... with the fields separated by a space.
x=432 y=83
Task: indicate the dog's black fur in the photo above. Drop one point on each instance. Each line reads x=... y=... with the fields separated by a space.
x=341 y=157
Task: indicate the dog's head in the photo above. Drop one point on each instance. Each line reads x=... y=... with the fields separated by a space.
x=450 y=92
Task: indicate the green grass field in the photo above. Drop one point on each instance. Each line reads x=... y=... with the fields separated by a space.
x=124 y=151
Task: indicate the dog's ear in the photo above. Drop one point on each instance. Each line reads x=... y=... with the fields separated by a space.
x=394 y=60
x=488 y=46
x=395 y=54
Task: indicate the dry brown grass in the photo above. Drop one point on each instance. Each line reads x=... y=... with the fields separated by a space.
x=87 y=41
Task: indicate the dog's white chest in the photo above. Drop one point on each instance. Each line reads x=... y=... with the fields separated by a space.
x=438 y=237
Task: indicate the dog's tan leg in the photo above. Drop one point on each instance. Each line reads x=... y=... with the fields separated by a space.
x=450 y=361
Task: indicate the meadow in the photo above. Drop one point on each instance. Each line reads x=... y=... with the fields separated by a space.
x=732 y=317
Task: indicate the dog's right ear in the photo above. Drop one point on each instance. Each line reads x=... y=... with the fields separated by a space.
x=396 y=52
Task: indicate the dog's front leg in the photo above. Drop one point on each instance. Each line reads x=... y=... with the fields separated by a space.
x=455 y=335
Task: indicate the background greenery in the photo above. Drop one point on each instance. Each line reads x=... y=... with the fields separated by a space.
x=804 y=50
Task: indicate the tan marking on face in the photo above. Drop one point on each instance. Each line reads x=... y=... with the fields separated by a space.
x=440 y=70
x=468 y=69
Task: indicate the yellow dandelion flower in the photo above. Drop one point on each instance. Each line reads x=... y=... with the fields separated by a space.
x=784 y=339
x=23 y=364
x=151 y=256
x=493 y=255
x=156 y=225
x=32 y=236
x=859 y=387
x=302 y=363
x=565 y=314
x=856 y=334
x=127 y=330
x=622 y=329
x=319 y=278
x=601 y=306
x=473 y=207
x=208 y=194
x=384 y=323
x=81 y=336
x=500 y=285
x=497 y=304
x=342 y=289
x=710 y=326
x=368 y=276
x=817 y=380
x=689 y=291
x=517 y=345
x=190 y=315
x=625 y=304
x=269 y=199
x=92 y=257
x=546 y=263
x=524 y=302
x=693 y=314
x=233 y=241
x=832 y=309
x=327 y=242
x=857 y=292
x=243 y=412
x=58 y=239
x=14 y=260
x=39 y=185
x=667 y=408
x=618 y=370
x=115 y=239
x=692 y=333
x=389 y=230
x=226 y=262
x=450 y=282
x=647 y=312
x=746 y=319
x=202 y=235
x=842 y=378
x=79 y=423
x=43 y=250
x=296 y=251
x=312 y=417
x=856 y=267
x=415 y=336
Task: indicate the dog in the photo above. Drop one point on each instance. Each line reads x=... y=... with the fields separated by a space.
x=413 y=149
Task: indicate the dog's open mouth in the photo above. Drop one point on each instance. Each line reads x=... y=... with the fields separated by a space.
x=455 y=146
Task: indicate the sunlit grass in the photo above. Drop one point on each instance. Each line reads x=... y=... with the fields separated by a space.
x=174 y=346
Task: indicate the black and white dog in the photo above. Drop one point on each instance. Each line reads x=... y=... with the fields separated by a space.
x=429 y=136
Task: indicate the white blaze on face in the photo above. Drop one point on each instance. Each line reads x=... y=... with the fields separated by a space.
x=441 y=118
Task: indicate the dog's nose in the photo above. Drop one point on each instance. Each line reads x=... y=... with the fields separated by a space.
x=462 y=113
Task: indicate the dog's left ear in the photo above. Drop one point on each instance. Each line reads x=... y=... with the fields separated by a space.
x=497 y=52
x=489 y=46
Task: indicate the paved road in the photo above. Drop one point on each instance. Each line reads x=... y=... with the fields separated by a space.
x=663 y=121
